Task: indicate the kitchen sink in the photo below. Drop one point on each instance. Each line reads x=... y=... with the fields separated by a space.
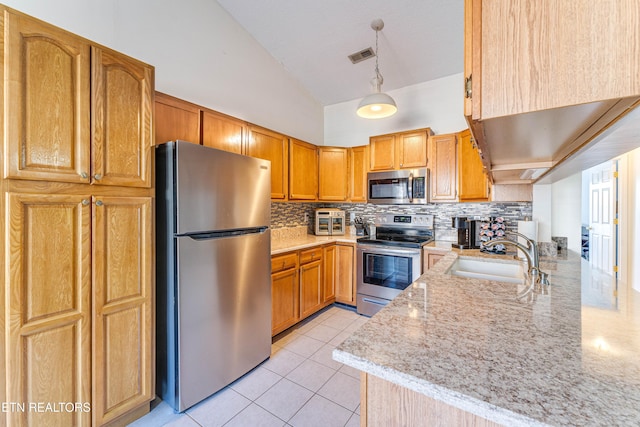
x=511 y=272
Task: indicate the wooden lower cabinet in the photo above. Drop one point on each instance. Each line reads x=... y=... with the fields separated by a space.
x=285 y=292
x=345 y=273
x=329 y=279
x=122 y=321
x=383 y=403
x=79 y=283
x=48 y=285
x=302 y=283
x=310 y=288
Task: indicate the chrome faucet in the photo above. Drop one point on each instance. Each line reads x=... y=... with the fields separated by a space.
x=531 y=253
x=526 y=250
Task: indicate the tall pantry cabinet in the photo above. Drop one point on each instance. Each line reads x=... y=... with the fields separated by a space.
x=77 y=215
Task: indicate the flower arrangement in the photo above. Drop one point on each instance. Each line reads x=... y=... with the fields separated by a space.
x=492 y=228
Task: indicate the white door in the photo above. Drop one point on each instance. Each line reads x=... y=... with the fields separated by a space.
x=601 y=217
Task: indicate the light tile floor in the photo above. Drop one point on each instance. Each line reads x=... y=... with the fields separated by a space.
x=300 y=385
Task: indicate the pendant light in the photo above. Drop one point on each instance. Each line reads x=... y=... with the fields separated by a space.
x=377 y=105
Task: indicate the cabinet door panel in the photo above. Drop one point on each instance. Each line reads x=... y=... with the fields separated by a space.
x=310 y=288
x=176 y=120
x=473 y=183
x=222 y=132
x=285 y=300
x=413 y=149
x=333 y=166
x=345 y=274
x=358 y=168
x=47 y=102
x=442 y=155
x=329 y=276
x=48 y=283
x=303 y=171
x=382 y=152
x=122 y=126
x=272 y=146
x=122 y=278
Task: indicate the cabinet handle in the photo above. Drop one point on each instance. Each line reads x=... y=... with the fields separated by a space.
x=99 y=203
x=97 y=177
x=84 y=175
x=85 y=202
x=468 y=86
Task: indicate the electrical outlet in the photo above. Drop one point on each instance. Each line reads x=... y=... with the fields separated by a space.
x=306 y=217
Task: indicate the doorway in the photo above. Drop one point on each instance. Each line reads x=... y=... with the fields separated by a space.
x=601 y=230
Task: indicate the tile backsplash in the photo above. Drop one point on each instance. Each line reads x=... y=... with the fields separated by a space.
x=292 y=214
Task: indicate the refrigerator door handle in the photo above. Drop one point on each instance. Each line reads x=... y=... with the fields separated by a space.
x=225 y=233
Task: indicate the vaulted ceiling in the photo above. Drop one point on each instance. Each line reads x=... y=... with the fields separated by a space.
x=422 y=40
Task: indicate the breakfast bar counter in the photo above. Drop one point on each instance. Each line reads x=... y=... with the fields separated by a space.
x=570 y=356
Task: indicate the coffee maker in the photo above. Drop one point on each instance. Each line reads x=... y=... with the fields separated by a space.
x=468 y=232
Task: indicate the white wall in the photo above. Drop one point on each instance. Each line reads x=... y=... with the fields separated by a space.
x=633 y=218
x=200 y=54
x=542 y=211
x=566 y=210
x=437 y=104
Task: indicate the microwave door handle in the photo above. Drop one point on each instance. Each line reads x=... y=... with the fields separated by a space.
x=410 y=188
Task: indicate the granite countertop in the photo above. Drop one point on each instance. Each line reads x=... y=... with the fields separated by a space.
x=295 y=238
x=571 y=357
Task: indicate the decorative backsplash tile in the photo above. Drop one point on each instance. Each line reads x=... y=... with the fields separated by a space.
x=292 y=214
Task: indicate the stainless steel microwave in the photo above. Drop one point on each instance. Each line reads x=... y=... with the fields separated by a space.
x=401 y=187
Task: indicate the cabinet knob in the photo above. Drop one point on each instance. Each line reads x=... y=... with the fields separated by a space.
x=99 y=203
x=84 y=175
x=85 y=202
x=97 y=177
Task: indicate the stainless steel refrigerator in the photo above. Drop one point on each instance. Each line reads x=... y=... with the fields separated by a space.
x=213 y=262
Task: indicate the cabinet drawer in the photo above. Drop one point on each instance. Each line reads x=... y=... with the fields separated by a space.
x=310 y=255
x=284 y=262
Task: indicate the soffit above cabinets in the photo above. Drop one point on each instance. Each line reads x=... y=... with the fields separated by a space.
x=534 y=147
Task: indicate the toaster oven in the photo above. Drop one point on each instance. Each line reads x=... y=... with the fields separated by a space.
x=329 y=222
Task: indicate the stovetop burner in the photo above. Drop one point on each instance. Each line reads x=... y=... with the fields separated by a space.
x=409 y=231
x=396 y=241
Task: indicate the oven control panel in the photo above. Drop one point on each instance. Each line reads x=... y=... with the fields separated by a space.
x=401 y=220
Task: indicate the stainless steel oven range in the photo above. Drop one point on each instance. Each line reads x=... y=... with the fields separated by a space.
x=391 y=260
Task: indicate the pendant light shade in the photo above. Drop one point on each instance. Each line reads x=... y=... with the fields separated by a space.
x=378 y=104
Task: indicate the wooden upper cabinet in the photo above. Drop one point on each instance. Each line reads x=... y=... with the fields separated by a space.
x=75 y=113
x=382 y=152
x=48 y=285
x=176 y=120
x=473 y=183
x=122 y=289
x=223 y=132
x=403 y=150
x=272 y=146
x=333 y=171
x=442 y=158
x=532 y=56
x=358 y=168
x=412 y=149
x=303 y=170
x=122 y=120
x=47 y=99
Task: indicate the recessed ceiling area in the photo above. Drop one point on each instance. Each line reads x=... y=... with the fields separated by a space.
x=422 y=40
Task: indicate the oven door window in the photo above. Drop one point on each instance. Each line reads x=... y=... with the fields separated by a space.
x=390 y=271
